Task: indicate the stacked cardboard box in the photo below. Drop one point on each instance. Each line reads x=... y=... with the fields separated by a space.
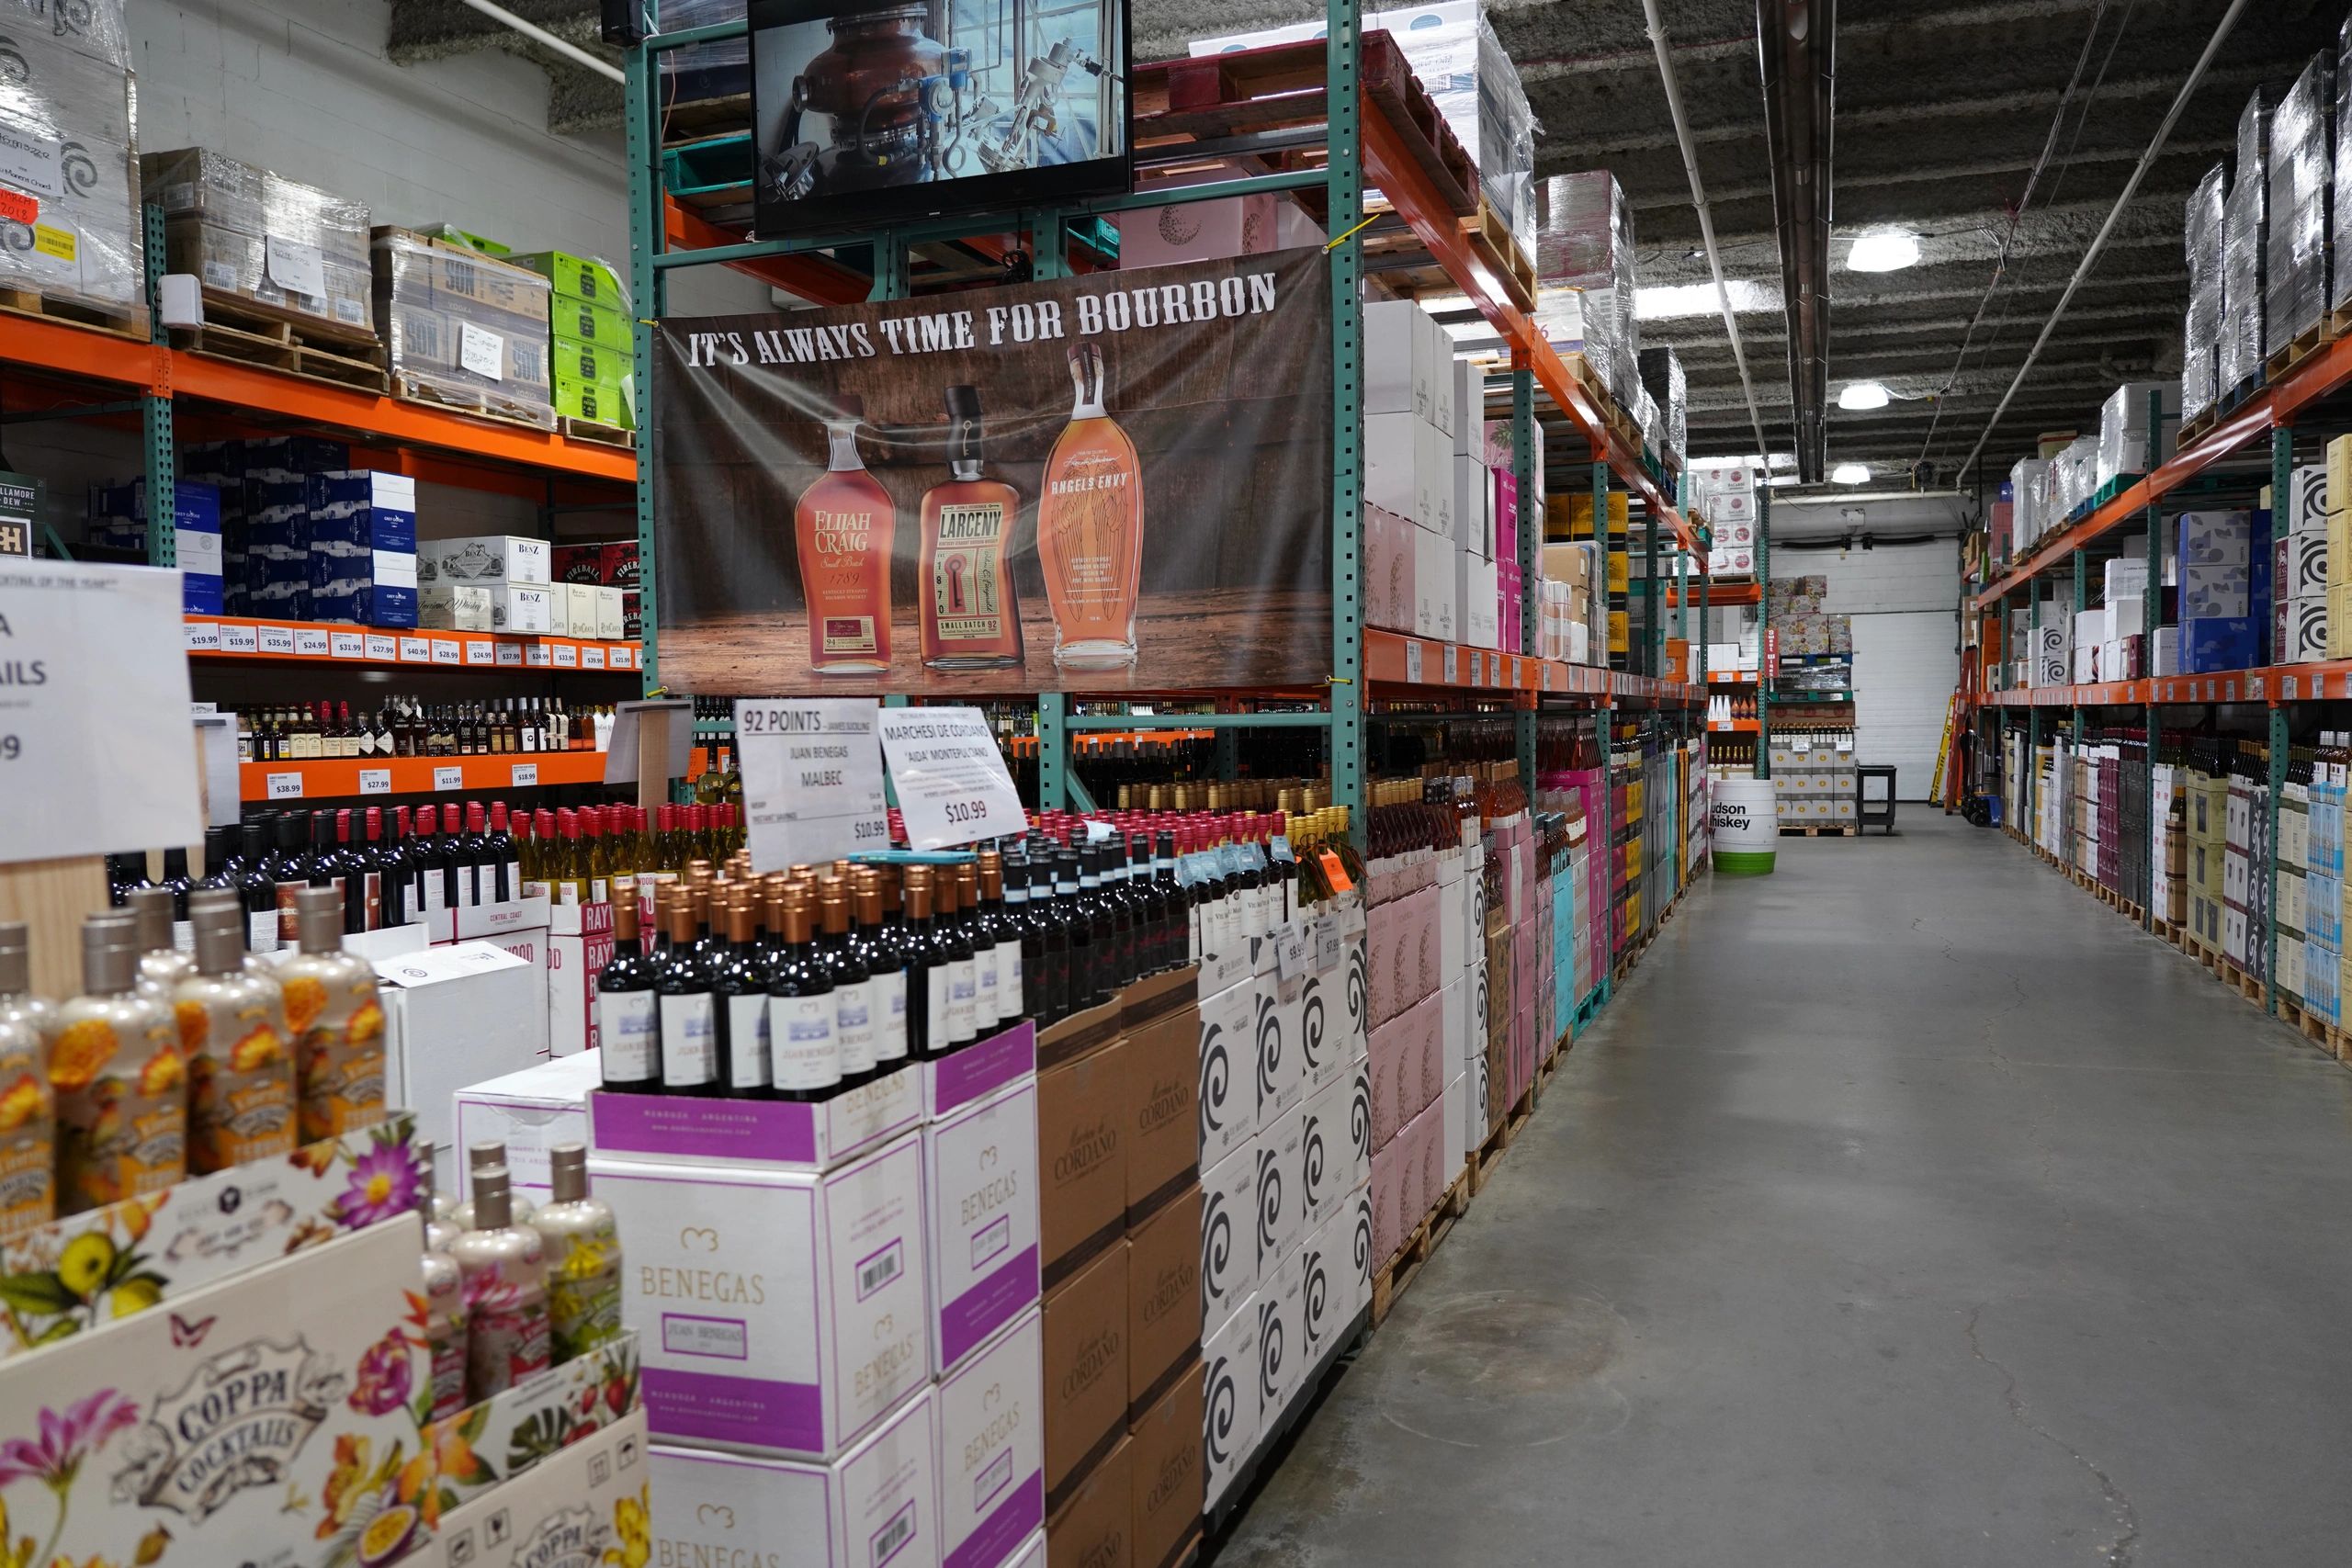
x=2337 y=567
x=2201 y=329
x=1585 y=273
x=2128 y=443
x=2206 y=819
x=463 y=329
x=1725 y=492
x=69 y=120
x=2298 y=619
x=259 y=242
x=591 y=339
x=2302 y=180
x=487 y=583
x=118 y=521
x=2225 y=574
x=1571 y=516
x=362 y=547
x=2322 y=892
x=1816 y=781
x=2245 y=230
x=612 y=565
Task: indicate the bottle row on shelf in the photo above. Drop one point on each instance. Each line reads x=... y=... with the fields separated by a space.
x=407 y=727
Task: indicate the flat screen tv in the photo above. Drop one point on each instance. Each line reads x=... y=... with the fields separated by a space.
x=871 y=112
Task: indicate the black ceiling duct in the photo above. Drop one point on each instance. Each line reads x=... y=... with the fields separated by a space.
x=1797 y=48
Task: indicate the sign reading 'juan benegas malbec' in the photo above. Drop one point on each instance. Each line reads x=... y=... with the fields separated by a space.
x=1114 y=482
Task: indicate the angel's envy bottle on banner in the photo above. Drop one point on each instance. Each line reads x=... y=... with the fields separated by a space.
x=1090 y=527
x=971 y=617
x=844 y=527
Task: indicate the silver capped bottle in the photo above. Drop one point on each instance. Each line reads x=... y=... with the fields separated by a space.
x=444 y=1303
x=122 y=1083
x=482 y=1157
x=584 y=1258
x=503 y=1266
x=162 y=962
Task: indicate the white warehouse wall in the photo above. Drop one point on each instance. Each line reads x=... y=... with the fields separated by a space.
x=1903 y=600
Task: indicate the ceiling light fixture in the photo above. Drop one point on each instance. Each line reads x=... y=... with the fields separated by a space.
x=1861 y=394
x=1883 y=249
x=1850 y=474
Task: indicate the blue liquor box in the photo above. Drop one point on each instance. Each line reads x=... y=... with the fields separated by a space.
x=362 y=548
x=118 y=521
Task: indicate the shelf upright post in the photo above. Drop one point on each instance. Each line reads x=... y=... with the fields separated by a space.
x=2282 y=501
x=1344 y=170
x=1764 y=672
x=1522 y=467
x=2152 y=617
x=1049 y=254
x=2082 y=598
x=1652 y=623
x=648 y=296
x=155 y=417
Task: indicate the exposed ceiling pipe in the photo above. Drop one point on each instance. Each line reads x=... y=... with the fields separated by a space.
x=1706 y=218
x=1796 y=49
x=2098 y=241
x=546 y=40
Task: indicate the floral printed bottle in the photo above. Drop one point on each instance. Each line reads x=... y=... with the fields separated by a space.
x=584 y=1258
x=233 y=1033
x=121 y=1085
x=337 y=1021
x=503 y=1266
x=27 y=1105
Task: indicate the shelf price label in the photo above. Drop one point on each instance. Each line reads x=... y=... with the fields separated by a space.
x=386 y=648
x=374 y=780
x=239 y=639
x=525 y=774
x=624 y=658
x=309 y=643
x=1413 y=661
x=479 y=652
x=448 y=778
x=416 y=651
x=1453 y=664
x=346 y=645
x=510 y=655
x=812 y=779
x=203 y=637
x=536 y=655
x=567 y=655
x=953 y=786
x=445 y=651
x=285 y=786
x=591 y=658
x=276 y=640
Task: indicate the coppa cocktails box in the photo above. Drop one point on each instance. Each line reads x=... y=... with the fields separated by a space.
x=585 y=1507
x=274 y=1417
x=777 y=1311
x=92 y=1271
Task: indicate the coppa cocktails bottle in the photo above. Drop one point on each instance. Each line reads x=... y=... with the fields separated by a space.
x=842 y=527
x=1090 y=527
x=971 y=617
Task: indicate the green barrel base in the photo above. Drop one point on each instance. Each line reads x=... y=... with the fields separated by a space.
x=1745 y=863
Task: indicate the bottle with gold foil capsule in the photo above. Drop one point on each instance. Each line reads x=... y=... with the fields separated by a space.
x=444 y=1301
x=120 y=1083
x=971 y=614
x=843 y=528
x=337 y=1021
x=27 y=1106
x=162 y=964
x=504 y=1269
x=584 y=1258
x=240 y=1058
x=1090 y=527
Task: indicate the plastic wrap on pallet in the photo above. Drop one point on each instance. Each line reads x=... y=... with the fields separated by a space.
x=2127 y=444
x=2339 y=222
x=2243 y=246
x=462 y=329
x=2301 y=176
x=69 y=160
x=1586 y=242
x=2027 y=479
x=91 y=28
x=293 y=249
x=1661 y=372
x=721 y=69
x=1650 y=418
x=2201 y=369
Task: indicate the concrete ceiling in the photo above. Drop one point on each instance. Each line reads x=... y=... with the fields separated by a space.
x=1941 y=111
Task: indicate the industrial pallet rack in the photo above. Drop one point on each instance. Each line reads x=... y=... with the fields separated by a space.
x=2235 y=456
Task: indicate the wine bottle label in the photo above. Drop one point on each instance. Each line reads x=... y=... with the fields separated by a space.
x=938 y=980
x=800 y=1039
x=963 y=1002
x=584 y=1295
x=989 y=971
x=289 y=928
x=747 y=1041
x=854 y=1027
x=435 y=891
x=447 y=1336
x=184 y=936
x=27 y=1143
x=507 y=1318
x=629 y=1035
x=375 y=894
x=689 y=1040
x=600 y=891
x=241 y=1081
x=1011 y=996
x=121 y=1107
x=890 y=1018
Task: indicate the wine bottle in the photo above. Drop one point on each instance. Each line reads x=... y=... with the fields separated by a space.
x=805 y=1060
x=628 y=1032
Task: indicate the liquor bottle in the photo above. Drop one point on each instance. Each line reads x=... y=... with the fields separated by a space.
x=740 y=978
x=843 y=524
x=503 y=1266
x=388 y=874
x=445 y=1314
x=256 y=887
x=959 y=1000
x=335 y=1019
x=628 y=1032
x=1045 y=946
x=219 y=861
x=176 y=881
x=427 y=893
x=1004 y=892
x=121 y=1087
x=506 y=861
x=886 y=967
x=162 y=965
x=971 y=615
x=478 y=879
x=234 y=1038
x=804 y=1060
x=583 y=1246
x=854 y=1009
x=1074 y=916
x=1090 y=527
x=686 y=1007
x=487 y=1155
x=28 y=1133
x=988 y=973
x=1181 y=947
x=1102 y=927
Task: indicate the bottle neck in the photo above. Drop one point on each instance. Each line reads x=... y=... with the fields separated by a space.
x=842 y=449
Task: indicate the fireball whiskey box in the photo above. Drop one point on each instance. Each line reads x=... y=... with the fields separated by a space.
x=223 y=1423
x=586 y=1503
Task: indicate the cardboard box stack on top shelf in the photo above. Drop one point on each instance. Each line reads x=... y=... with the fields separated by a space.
x=2244 y=244
x=2200 y=363
x=1585 y=278
x=591 y=339
x=77 y=242
x=261 y=245
x=1662 y=378
x=2300 y=178
x=463 y=330
x=1569 y=517
x=1724 y=491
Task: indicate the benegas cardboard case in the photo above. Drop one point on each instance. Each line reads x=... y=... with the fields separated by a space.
x=992 y=1454
x=877 y=1503
x=980 y=1182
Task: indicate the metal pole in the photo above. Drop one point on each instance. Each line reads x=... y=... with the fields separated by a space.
x=2151 y=616
x=1522 y=469
x=647 y=294
x=1764 y=672
x=1343 y=112
x=156 y=417
x=2282 y=503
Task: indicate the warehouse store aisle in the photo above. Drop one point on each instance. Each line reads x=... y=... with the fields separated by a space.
x=1907 y=1207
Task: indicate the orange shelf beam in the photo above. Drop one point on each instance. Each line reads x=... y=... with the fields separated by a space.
x=2327 y=681
x=346 y=778
x=815 y=277
x=1392 y=658
x=306 y=642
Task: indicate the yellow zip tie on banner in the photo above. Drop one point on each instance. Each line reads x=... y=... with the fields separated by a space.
x=1344 y=239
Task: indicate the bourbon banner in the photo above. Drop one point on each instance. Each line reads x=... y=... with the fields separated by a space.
x=1108 y=483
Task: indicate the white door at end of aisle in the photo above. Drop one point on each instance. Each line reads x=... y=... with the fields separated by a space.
x=1905 y=667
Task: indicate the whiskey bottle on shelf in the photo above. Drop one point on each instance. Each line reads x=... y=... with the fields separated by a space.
x=843 y=526
x=1090 y=527
x=971 y=617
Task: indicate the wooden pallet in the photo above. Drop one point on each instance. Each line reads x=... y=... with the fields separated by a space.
x=599 y=435
x=1283 y=86
x=280 y=345
x=1489 y=1153
x=2300 y=347
x=63 y=308
x=480 y=405
x=1400 y=1271
x=224 y=308
x=1835 y=831
x=705 y=116
x=1491 y=239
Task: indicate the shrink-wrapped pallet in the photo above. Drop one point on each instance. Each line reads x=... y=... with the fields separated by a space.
x=2301 y=171
x=257 y=240
x=463 y=330
x=2243 y=246
x=71 y=232
x=1586 y=244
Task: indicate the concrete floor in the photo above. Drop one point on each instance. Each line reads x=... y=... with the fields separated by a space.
x=1908 y=1208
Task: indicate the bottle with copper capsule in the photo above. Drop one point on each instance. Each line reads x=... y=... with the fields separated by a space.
x=502 y=1265
x=988 y=971
x=27 y=1104
x=740 y=978
x=854 y=1010
x=686 y=1005
x=1004 y=892
x=628 y=1030
x=233 y=1037
x=886 y=970
x=926 y=966
x=805 y=1062
x=960 y=1012
x=121 y=1082
x=335 y=1019
x=584 y=1257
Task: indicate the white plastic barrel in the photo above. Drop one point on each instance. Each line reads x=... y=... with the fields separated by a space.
x=1747 y=827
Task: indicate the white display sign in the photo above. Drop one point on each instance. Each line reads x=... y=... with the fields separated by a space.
x=386 y=648
x=621 y=753
x=95 y=747
x=296 y=267
x=309 y=643
x=953 y=786
x=525 y=774
x=240 y=639
x=482 y=351
x=812 y=779
x=479 y=652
